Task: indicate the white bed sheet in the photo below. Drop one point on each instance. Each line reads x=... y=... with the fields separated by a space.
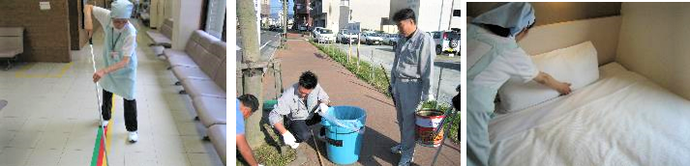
x=622 y=119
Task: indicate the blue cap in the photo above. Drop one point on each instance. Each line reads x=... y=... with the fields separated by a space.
x=121 y=9
x=514 y=16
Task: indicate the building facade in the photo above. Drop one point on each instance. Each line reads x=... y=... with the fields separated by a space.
x=431 y=15
x=302 y=15
x=336 y=14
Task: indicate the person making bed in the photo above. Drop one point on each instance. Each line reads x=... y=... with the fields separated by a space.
x=493 y=58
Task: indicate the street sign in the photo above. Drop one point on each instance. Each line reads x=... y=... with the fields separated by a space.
x=353 y=27
x=257 y=8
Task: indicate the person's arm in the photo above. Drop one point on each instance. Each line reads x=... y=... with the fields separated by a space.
x=88 y=22
x=127 y=49
x=100 y=14
x=275 y=117
x=102 y=72
x=546 y=79
x=426 y=66
x=245 y=150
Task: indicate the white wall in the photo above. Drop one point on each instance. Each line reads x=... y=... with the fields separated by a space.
x=332 y=10
x=432 y=15
x=187 y=19
x=369 y=12
x=655 y=42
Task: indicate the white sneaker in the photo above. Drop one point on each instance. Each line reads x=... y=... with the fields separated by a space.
x=133 y=137
x=104 y=123
x=397 y=149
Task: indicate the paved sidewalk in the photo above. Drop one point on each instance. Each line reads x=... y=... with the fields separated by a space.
x=345 y=89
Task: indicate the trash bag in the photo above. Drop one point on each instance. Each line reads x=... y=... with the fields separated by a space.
x=347 y=117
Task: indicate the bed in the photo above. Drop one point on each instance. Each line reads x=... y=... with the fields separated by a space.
x=621 y=119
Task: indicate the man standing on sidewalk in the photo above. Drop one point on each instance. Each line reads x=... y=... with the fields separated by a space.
x=410 y=78
x=299 y=103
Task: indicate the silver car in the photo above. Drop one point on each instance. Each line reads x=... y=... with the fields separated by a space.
x=446 y=41
x=391 y=39
x=371 y=38
x=345 y=37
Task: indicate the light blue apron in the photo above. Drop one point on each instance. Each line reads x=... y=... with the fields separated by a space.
x=480 y=101
x=122 y=81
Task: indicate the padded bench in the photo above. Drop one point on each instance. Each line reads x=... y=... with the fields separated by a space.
x=211 y=110
x=207 y=63
x=163 y=36
x=199 y=45
x=201 y=69
x=209 y=88
x=11 y=44
x=218 y=136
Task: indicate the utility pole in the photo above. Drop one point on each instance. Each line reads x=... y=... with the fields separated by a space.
x=452 y=12
x=440 y=16
x=251 y=68
x=285 y=21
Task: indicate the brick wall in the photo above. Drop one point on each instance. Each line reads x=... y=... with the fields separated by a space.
x=47 y=37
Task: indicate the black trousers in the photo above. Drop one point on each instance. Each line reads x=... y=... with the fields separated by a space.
x=130 y=110
x=300 y=128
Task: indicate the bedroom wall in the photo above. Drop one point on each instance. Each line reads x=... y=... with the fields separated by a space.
x=603 y=32
x=554 y=12
x=655 y=40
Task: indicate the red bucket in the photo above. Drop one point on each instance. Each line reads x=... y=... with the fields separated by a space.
x=427 y=121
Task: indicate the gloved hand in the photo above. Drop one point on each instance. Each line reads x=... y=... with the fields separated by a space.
x=260 y=165
x=322 y=108
x=290 y=140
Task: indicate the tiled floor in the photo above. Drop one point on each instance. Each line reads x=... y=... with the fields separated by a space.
x=52 y=115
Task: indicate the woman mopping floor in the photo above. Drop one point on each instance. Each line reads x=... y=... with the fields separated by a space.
x=120 y=60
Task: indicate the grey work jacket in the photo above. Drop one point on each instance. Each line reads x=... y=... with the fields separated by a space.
x=414 y=60
x=295 y=108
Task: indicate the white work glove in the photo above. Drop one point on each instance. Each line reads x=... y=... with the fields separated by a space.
x=322 y=108
x=290 y=140
x=260 y=165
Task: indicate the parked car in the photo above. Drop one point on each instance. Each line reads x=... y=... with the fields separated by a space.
x=446 y=41
x=391 y=39
x=325 y=36
x=345 y=37
x=371 y=38
x=315 y=32
x=302 y=28
x=275 y=28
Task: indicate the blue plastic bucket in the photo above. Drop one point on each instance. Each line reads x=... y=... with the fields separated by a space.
x=344 y=132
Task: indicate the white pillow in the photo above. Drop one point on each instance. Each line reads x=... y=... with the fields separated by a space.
x=575 y=64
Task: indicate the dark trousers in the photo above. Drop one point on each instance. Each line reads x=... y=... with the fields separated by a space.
x=130 y=110
x=300 y=128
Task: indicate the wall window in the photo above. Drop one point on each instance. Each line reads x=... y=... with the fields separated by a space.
x=215 y=18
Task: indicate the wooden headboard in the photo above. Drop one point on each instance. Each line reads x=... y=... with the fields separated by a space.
x=603 y=32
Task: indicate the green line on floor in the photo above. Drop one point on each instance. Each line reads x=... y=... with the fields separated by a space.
x=96 y=147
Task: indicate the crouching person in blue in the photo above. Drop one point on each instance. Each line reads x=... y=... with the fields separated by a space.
x=300 y=103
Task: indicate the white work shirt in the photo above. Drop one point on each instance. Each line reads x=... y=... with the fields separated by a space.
x=514 y=63
x=103 y=17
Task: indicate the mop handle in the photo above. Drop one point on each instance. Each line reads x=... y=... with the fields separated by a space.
x=98 y=102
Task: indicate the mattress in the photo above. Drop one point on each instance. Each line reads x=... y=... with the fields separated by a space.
x=621 y=119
